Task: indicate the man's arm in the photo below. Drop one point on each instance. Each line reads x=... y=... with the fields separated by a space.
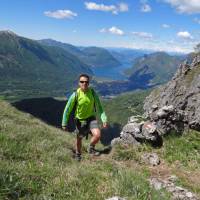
x=68 y=109
x=100 y=108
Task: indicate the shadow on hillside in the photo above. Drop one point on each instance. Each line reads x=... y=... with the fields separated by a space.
x=50 y=111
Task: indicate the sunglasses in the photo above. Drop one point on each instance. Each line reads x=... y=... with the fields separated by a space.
x=87 y=82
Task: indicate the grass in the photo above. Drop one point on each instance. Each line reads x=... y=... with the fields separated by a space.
x=184 y=149
x=36 y=163
x=125 y=105
x=182 y=156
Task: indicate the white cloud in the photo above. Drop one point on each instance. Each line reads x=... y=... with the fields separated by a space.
x=115 y=9
x=146 y=8
x=162 y=46
x=185 y=6
x=113 y=30
x=103 y=30
x=60 y=14
x=165 y=25
x=123 y=7
x=184 y=35
x=143 y=35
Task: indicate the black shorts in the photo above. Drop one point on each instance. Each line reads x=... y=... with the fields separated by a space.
x=83 y=127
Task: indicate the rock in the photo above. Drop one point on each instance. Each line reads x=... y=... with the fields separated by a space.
x=127 y=138
x=116 y=141
x=161 y=113
x=151 y=158
x=132 y=119
x=176 y=105
x=172 y=179
x=168 y=109
x=133 y=128
x=149 y=131
x=134 y=133
x=177 y=192
x=154 y=107
x=156 y=184
x=189 y=194
x=116 y=198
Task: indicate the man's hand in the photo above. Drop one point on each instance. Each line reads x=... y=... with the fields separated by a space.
x=64 y=128
x=105 y=125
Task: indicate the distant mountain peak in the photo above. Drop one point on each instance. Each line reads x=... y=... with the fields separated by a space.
x=8 y=32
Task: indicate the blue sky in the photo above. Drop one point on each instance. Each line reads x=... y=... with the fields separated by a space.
x=169 y=25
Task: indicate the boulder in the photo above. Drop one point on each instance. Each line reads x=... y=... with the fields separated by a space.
x=135 y=132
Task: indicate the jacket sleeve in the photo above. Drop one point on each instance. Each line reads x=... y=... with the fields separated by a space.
x=68 y=109
x=100 y=108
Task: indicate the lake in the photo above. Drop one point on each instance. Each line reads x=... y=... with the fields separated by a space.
x=114 y=73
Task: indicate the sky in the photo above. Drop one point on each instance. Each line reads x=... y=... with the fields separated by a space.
x=161 y=25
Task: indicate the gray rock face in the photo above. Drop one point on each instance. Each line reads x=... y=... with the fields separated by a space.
x=177 y=104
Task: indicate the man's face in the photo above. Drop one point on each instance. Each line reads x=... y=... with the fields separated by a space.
x=83 y=83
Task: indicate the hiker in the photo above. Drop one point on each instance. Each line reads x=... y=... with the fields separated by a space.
x=86 y=103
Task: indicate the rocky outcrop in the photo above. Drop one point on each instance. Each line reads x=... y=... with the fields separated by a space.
x=135 y=132
x=169 y=184
x=176 y=105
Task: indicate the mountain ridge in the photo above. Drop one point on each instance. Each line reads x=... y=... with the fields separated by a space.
x=93 y=56
x=160 y=66
x=27 y=66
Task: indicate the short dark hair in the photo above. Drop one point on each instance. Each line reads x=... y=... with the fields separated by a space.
x=84 y=75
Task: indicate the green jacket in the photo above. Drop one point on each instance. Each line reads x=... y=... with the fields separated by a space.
x=85 y=106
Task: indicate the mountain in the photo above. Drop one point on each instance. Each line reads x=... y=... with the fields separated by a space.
x=28 y=68
x=93 y=56
x=127 y=56
x=68 y=47
x=99 y=57
x=153 y=69
x=148 y=71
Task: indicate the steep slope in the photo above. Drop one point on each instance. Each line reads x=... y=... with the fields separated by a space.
x=68 y=47
x=153 y=69
x=182 y=93
x=29 y=69
x=36 y=163
x=93 y=56
x=99 y=57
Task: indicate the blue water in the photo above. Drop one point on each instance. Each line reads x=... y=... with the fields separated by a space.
x=115 y=73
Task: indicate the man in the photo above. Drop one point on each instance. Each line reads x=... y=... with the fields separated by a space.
x=87 y=102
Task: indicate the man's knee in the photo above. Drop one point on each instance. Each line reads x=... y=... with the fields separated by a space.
x=96 y=133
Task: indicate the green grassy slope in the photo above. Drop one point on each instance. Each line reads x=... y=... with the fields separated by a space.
x=36 y=163
x=125 y=105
